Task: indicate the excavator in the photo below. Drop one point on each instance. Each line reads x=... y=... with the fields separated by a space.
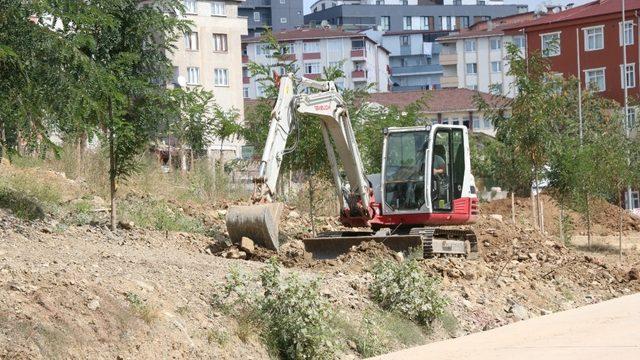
x=416 y=205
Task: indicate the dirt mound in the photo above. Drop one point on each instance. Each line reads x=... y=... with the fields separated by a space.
x=604 y=216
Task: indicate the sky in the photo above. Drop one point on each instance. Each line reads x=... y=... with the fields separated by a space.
x=532 y=3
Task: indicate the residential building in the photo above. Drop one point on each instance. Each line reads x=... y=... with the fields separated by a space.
x=476 y=58
x=320 y=5
x=209 y=57
x=409 y=17
x=587 y=42
x=277 y=15
x=363 y=60
x=414 y=59
x=446 y=106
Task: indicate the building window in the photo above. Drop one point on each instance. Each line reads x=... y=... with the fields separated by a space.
x=595 y=79
x=312 y=68
x=221 y=77
x=288 y=48
x=496 y=66
x=425 y=23
x=519 y=41
x=220 y=42
x=629 y=76
x=406 y=23
x=448 y=22
x=385 y=23
x=245 y=92
x=464 y=22
x=357 y=44
x=193 y=75
x=283 y=2
x=472 y=87
x=283 y=20
x=550 y=44
x=191 y=41
x=190 y=6
x=631 y=118
x=256 y=16
x=594 y=38
x=263 y=49
x=217 y=8
x=496 y=89
x=627 y=33
x=472 y=68
x=404 y=40
x=635 y=197
x=335 y=65
x=379 y=2
x=311 y=47
x=469 y=45
x=496 y=43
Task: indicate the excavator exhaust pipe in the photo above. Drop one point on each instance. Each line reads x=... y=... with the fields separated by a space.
x=257 y=222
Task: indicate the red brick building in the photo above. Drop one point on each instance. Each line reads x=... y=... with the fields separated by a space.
x=586 y=41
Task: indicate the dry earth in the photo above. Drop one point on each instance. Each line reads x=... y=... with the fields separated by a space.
x=87 y=292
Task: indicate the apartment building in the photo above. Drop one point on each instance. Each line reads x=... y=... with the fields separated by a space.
x=320 y=5
x=476 y=58
x=410 y=17
x=209 y=57
x=277 y=15
x=414 y=59
x=363 y=60
x=446 y=106
x=587 y=42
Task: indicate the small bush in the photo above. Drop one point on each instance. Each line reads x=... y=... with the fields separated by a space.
x=406 y=289
x=291 y=313
x=158 y=215
x=144 y=311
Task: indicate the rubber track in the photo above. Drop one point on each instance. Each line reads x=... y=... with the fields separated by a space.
x=450 y=234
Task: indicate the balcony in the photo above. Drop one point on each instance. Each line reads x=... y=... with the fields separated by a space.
x=358 y=74
x=246 y=80
x=288 y=57
x=312 y=76
x=449 y=81
x=448 y=59
x=245 y=59
x=416 y=70
x=311 y=56
x=358 y=54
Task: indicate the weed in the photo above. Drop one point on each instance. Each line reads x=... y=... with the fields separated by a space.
x=144 y=311
x=218 y=336
x=368 y=342
x=292 y=315
x=406 y=289
x=449 y=323
x=158 y=215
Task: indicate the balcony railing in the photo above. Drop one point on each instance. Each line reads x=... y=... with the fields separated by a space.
x=246 y=80
x=449 y=81
x=359 y=74
x=448 y=59
x=416 y=70
x=358 y=53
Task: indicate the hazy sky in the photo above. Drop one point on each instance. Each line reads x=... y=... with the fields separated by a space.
x=531 y=3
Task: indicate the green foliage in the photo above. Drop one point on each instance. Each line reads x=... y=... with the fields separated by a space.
x=292 y=314
x=158 y=215
x=405 y=288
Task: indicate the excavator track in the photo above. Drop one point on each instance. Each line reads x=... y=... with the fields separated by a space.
x=432 y=242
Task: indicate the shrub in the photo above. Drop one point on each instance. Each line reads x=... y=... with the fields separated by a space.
x=406 y=289
x=291 y=312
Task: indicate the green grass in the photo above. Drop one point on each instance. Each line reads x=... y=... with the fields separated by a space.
x=158 y=215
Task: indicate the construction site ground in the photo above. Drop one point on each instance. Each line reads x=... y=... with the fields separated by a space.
x=69 y=291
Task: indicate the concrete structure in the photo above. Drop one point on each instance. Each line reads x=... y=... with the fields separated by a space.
x=607 y=330
x=363 y=60
x=277 y=15
x=446 y=106
x=475 y=58
x=414 y=59
x=410 y=17
x=210 y=57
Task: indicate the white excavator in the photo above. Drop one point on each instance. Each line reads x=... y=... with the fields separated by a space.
x=424 y=193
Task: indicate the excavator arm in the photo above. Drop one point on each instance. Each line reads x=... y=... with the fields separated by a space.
x=260 y=222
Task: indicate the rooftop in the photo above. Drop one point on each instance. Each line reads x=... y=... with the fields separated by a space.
x=588 y=10
x=307 y=34
x=437 y=101
x=497 y=26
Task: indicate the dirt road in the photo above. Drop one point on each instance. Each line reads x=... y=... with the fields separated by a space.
x=608 y=330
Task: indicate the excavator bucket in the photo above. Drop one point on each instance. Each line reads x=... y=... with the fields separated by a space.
x=257 y=222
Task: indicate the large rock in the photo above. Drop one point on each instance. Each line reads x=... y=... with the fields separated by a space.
x=519 y=311
x=247 y=245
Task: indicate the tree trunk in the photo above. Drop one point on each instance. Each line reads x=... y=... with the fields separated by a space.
x=588 y=224
x=538 y=205
x=534 y=211
x=311 y=206
x=112 y=168
x=620 y=225
x=513 y=207
x=183 y=160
